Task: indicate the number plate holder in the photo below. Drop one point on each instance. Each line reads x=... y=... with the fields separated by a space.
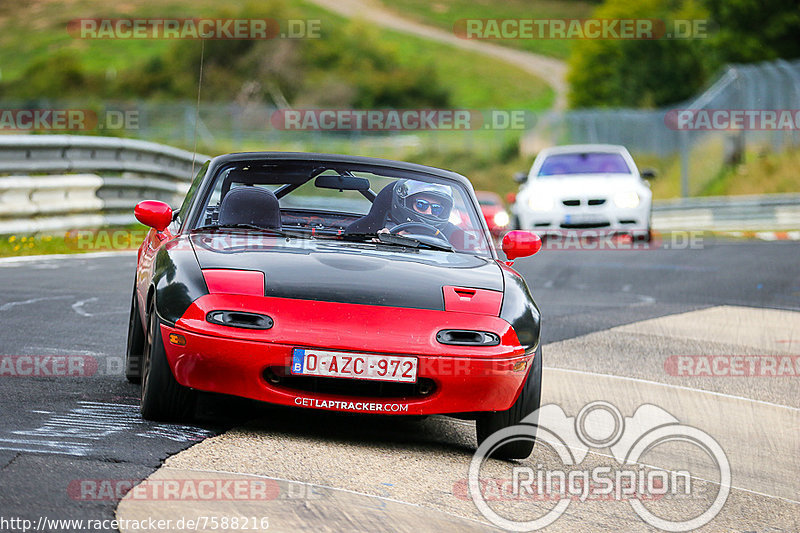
x=395 y=368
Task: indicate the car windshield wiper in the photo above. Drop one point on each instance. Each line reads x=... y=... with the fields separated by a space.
x=401 y=240
x=241 y=226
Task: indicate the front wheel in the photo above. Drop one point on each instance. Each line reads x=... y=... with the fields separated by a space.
x=163 y=398
x=527 y=403
x=136 y=343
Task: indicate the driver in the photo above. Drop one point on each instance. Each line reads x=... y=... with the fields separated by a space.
x=415 y=201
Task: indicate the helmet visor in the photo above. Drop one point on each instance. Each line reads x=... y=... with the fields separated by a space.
x=429 y=199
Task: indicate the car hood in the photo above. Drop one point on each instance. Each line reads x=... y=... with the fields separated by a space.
x=347 y=272
x=599 y=185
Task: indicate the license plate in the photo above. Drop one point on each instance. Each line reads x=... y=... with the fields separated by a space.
x=308 y=362
x=582 y=219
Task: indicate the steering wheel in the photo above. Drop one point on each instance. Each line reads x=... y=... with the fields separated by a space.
x=426 y=229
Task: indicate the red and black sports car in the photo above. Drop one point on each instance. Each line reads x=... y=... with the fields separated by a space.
x=333 y=282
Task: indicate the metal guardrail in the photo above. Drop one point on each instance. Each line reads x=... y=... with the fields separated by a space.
x=734 y=213
x=51 y=154
x=73 y=181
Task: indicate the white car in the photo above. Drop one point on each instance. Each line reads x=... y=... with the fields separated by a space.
x=593 y=187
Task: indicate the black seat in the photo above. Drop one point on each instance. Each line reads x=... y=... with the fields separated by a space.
x=376 y=218
x=250 y=205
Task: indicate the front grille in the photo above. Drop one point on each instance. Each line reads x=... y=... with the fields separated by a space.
x=597 y=201
x=571 y=203
x=279 y=378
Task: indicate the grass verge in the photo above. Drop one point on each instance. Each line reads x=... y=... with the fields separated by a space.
x=74 y=242
x=445 y=13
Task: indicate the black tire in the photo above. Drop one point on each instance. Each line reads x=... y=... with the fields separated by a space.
x=645 y=237
x=528 y=402
x=135 y=346
x=163 y=398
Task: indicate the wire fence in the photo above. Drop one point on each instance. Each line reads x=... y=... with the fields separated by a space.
x=701 y=152
x=235 y=127
x=734 y=115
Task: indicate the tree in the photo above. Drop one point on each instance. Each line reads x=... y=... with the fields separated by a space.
x=640 y=73
x=755 y=30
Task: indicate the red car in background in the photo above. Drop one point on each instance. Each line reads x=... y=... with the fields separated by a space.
x=494 y=212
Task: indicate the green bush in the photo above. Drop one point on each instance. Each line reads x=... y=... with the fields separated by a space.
x=348 y=66
x=60 y=75
x=639 y=73
x=755 y=30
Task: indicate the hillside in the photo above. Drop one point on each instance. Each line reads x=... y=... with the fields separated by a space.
x=33 y=33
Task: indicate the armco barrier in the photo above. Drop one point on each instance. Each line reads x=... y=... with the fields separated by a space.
x=61 y=182
x=729 y=213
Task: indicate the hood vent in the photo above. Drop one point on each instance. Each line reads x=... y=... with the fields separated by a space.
x=240 y=319
x=464 y=337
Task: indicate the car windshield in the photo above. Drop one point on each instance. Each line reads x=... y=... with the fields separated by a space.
x=584 y=163
x=315 y=199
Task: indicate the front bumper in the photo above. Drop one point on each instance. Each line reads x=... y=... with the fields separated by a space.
x=245 y=363
x=604 y=218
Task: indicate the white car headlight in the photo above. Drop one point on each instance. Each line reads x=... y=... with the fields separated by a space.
x=540 y=203
x=626 y=200
x=501 y=219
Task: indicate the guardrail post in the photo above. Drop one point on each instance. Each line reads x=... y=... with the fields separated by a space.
x=684 y=142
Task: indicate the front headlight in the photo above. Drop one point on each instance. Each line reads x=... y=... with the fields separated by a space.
x=540 y=203
x=626 y=200
x=501 y=219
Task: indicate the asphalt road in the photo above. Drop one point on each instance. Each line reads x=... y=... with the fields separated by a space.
x=56 y=431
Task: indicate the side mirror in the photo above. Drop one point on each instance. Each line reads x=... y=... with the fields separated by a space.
x=520 y=243
x=648 y=173
x=521 y=177
x=511 y=198
x=157 y=215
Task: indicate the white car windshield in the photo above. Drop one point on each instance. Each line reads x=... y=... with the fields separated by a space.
x=584 y=163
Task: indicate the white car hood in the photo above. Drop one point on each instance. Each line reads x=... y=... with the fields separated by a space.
x=586 y=185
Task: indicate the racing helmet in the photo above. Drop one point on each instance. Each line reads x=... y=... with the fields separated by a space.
x=408 y=192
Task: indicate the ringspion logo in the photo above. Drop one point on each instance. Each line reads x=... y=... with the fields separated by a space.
x=598 y=425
